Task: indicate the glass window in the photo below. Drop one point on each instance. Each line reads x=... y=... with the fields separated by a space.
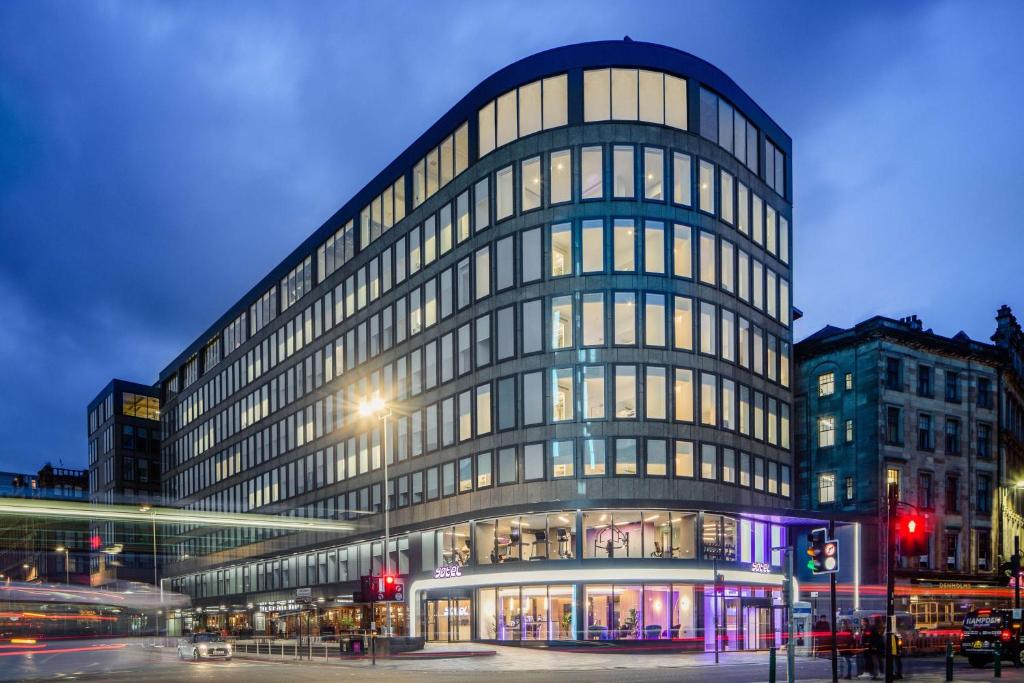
x=655 y=387
x=683 y=394
x=652 y=96
x=481 y=209
x=742 y=208
x=483 y=409
x=625 y=458
x=728 y=404
x=593 y=392
x=533 y=461
x=561 y=322
x=465 y=474
x=531 y=185
x=683 y=457
x=624 y=94
x=556 y=107
x=529 y=109
x=622 y=171
x=593 y=319
x=707 y=258
x=560 y=175
x=593 y=246
x=594 y=464
x=708 y=399
x=675 y=102
x=506 y=403
x=708 y=343
x=503 y=190
x=682 y=179
x=625 y=391
x=533 y=326
x=682 y=251
x=625 y=318
x=486 y=127
x=591 y=175
x=654 y=173
x=483 y=272
x=597 y=95
x=726 y=203
x=483 y=470
x=504 y=263
x=562 y=399
x=531 y=254
x=507 y=466
x=682 y=323
x=708 y=461
x=561 y=250
x=507 y=126
x=624 y=245
x=654 y=319
x=657 y=458
x=729 y=465
x=654 y=247
x=728 y=267
x=563 y=459
x=533 y=392
x=728 y=335
x=706 y=183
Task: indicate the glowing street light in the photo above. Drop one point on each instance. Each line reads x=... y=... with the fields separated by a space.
x=376 y=406
x=67 y=571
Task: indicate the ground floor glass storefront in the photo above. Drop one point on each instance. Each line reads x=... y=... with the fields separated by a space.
x=747 y=617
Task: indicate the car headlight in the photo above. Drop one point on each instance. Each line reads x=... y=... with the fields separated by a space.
x=202 y=648
x=227 y=648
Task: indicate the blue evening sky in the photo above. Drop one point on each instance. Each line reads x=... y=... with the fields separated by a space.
x=157 y=159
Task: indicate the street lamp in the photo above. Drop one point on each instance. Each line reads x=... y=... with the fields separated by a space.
x=376 y=406
x=67 y=573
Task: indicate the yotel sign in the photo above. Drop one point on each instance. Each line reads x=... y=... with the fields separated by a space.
x=448 y=571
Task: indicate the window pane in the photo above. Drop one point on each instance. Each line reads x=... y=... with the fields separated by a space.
x=506 y=118
x=654 y=174
x=624 y=94
x=503 y=188
x=596 y=95
x=708 y=342
x=507 y=466
x=533 y=461
x=625 y=318
x=594 y=458
x=707 y=258
x=682 y=191
x=654 y=319
x=708 y=461
x=684 y=459
x=657 y=458
x=561 y=250
x=624 y=245
x=683 y=394
x=593 y=319
x=682 y=251
x=562 y=397
x=531 y=261
x=593 y=392
x=593 y=246
x=625 y=457
x=530 y=178
x=591 y=175
x=533 y=390
x=560 y=175
x=486 y=121
x=561 y=322
x=706 y=184
x=682 y=323
x=562 y=459
x=625 y=391
x=708 y=399
x=532 y=326
x=652 y=97
x=622 y=169
x=654 y=393
x=726 y=197
x=529 y=108
x=675 y=102
x=654 y=247
x=556 y=108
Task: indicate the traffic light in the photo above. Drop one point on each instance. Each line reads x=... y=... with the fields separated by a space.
x=822 y=553
x=913 y=534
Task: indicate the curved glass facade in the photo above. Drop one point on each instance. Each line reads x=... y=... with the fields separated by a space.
x=580 y=324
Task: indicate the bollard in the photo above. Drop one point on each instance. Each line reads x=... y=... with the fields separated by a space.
x=998 y=673
x=949 y=662
x=771 y=665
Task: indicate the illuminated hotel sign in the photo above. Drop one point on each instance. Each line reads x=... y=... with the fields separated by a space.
x=448 y=571
x=761 y=568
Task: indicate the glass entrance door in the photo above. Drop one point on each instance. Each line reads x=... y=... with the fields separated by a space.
x=447 y=619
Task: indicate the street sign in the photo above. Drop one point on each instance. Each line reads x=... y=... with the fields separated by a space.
x=304 y=595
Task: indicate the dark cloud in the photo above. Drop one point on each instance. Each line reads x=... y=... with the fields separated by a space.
x=156 y=159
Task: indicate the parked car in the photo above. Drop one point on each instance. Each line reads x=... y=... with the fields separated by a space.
x=204 y=646
x=984 y=628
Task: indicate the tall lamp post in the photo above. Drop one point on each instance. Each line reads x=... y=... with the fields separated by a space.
x=379 y=408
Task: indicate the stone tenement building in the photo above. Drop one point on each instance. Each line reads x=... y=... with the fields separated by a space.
x=887 y=401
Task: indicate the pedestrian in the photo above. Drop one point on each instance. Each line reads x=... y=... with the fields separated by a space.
x=878 y=648
x=846 y=646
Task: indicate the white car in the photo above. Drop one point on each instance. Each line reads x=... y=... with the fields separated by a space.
x=204 y=646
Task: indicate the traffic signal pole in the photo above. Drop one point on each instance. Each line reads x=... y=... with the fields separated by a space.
x=890 y=579
x=832 y=600
x=1016 y=571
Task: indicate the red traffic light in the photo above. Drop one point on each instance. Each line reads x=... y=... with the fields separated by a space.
x=911 y=526
x=389 y=580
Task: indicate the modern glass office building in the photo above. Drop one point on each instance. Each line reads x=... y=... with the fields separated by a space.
x=573 y=295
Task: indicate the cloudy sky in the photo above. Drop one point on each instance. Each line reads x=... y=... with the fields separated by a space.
x=156 y=159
